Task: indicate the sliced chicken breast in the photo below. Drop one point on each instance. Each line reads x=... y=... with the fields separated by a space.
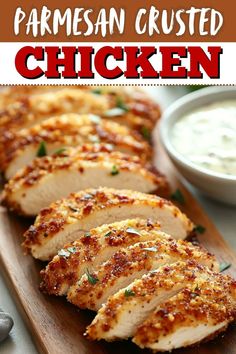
x=68 y=130
x=12 y=94
x=131 y=263
x=197 y=313
x=68 y=219
x=50 y=178
x=36 y=108
x=130 y=107
x=124 y=312
x=91 y=250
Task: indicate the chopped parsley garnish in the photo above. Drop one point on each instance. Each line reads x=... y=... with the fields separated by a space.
x=94 y=118
x=114 y=112
x=42 y=150
x=178 y=196
x=199 y=229
x=224 y=266
x=73 y=209
x=151 y=249
x=193 y=295
x=64 y=253
x=114 y=170
x=146 y=133
x=129 y=293
x=71 y=249
x=108 y=234
x=131 y=230
x=92 y=280
x=87 y=196
x=59 y=151
x=121 y=104
x=87 y=234
x=97 y=91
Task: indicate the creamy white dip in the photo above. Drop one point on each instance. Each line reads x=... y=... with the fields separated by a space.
x=207 y=137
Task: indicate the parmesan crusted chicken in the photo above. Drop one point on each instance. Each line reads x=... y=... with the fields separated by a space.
x=92 y=249
x=16 y=93
x=68 y=130
x=48 y=179
x=131 y=263
x=129 y=106
x=68 y=219
x=124 y=312
x=197 y=313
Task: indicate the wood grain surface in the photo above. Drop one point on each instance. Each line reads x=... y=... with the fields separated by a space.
x=56 y=326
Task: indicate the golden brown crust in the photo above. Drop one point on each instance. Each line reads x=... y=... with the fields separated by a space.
x=164 y=279
x=64 y=270
x=73 y=130
x=15 y=93
x=137 y=110
x=203 y=303
x=79 y=205
x=133 y=261
x=33 y=109
x=77 y=159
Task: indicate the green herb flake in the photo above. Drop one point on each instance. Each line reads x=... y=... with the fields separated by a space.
x=154 y=271
x=87 y=196
x=71 y=249
x=129 y=293
x=94 y=118
x=108 y=234
x=42 y=150
x=92 y=280
x=114 y=112
x=224 y=266
x=121 y=104
x=114 y=170
x=151 y=249
x=178 y=196
x=131 y=230
x=146 y=133
x=73 y=209
x=59 y=151
x=64 y=253
x=199 y=229
x=87 y=234
x=193 y=295
x=97 y=91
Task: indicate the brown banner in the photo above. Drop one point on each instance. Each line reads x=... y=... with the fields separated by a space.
x=226 y=34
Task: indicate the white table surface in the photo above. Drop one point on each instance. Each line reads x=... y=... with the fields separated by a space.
x=224 y=217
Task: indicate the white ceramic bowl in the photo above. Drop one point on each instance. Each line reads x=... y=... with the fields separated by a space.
x=213 y=184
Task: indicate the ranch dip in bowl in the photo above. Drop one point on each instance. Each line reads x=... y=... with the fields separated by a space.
x=198 y=132
x=209 y=137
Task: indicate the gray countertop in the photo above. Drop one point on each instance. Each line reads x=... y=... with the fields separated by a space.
x=223 y=216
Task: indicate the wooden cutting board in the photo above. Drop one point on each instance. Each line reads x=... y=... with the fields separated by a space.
x=56 y=326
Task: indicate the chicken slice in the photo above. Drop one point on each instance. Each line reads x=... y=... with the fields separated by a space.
x=67 y=219
x=130 y=107
x=16 y=93
x=48 y=179
x=36 y=108
x=68 y=130
x=92 y=249
x=125 y=311
x=131 y=263
x=197 y=313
